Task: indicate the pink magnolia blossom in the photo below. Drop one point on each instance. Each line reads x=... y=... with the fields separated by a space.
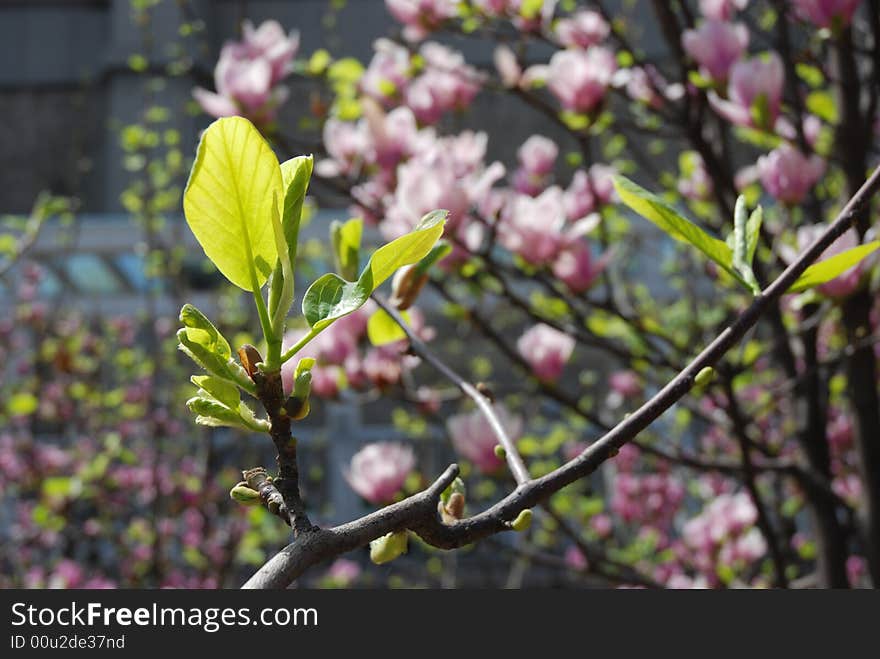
x=575 y=559
x=492 y=7
x=421 y=16
x=447 y=83
x=626 y=383
x=754 y=84
x=579 y=79
x=546 y=349
x=716 y=46
x=347 y=145
x=473 y=437
x=379 y=470
x=507 y=66
x=579 y=198
x=727 y=516
x=788 y=175
x=641 y=86
x=845 y=284
x=582 y=29
x=533 y=226
x=389 y=71
x=270 y=42
x=576 y=267
x=248 y=73
x=537 y=157
x=721 y=10
x=602 y=182
x=394 y=136
x=602 y=525
x=447 y=173
x=343 y=572
x=827 y=13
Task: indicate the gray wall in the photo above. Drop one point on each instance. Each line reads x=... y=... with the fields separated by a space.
x=65 y=86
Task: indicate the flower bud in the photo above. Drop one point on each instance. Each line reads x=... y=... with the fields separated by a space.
x=405 y=287
x=249 y=357
x=455 y=506
x=500 y=452
x=704 y=377
x=244 y=494
x=388 y=547
x=523 y=521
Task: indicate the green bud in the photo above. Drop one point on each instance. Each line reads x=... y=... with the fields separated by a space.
x=244 y=495
x=202 y=331
x=523 y=521
x=388 y=547
x=500 y=452
x=704 y=377
x=211 y=412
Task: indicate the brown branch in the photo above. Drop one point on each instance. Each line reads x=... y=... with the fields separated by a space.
x=419 y=512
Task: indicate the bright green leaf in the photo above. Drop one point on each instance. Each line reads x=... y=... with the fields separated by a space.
x=821 y=103
x=22 y=404
x=223 y=390
x=741 y=260
x=654 y=209
x=753 y=233
x=228 y=201
x=331 y=297
x=824 y=271
x=382 y=329
x=346 y=238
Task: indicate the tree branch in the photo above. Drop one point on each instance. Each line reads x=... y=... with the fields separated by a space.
x=419 y=512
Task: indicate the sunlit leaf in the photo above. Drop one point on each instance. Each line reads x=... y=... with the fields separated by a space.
x=824 y=271
x=331 y=297
x=228 y=201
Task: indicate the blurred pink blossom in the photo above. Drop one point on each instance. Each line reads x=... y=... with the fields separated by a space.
x=248 y=74
x=721 y=10
x=576 y=267
x=582 y=29
x=388 y=72
x=447 y=83
x=420 y=17
x=575 y=559
x=579 y=79
x=546 y=349
x=537 y=157
x=755 y=84
x=378 y=471
x=788 y=175
x=827 y=13
x=716 y=46
x=473 y=437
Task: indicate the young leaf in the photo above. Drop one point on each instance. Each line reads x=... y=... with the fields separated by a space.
x=211 y=412
x=223 y=390
x=824 y=271
x=295 y=176
x=331 y=297
x=346 y=239
x=652 y=208
x=666 y=218
x=281 y=286
x=741 y=260
x=228 y=201
x=753 y=233
x=204 y=344
x=382 y=329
